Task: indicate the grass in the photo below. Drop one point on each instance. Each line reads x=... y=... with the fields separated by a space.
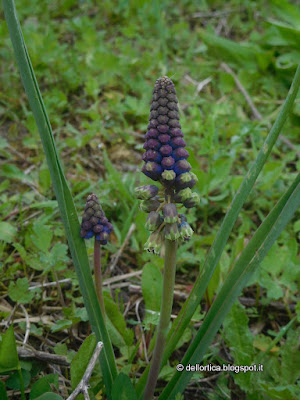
x=96 y=66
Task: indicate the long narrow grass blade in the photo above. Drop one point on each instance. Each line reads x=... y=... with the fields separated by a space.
x=190 y=305
x=249 y=260
x=62 y=192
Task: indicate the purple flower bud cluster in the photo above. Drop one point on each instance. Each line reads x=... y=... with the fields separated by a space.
x=166 y=157
x=94 y=222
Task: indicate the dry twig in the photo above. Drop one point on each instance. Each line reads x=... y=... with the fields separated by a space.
x=82 y=386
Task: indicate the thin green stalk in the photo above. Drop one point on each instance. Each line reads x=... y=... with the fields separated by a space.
x=165 y=315
x=190 y=305
x=21 y=384
x=98 y=275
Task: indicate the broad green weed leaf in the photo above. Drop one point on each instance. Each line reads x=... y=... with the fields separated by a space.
x=81 y=360
x=61 y=325
x=9 y=359
x=19 y=291
x=290 y=356
x=49 y=396
x=117 y=321
x=122 y=388
x=43 y=385
x=13 y=382
x=152 y=283
x=240 y=342
x=42 y=237
x=7 y=232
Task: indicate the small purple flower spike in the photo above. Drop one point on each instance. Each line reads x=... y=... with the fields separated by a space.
x=94 y=222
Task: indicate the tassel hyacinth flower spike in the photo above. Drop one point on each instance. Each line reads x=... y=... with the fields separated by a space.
x=94 y=223
x=166 y=162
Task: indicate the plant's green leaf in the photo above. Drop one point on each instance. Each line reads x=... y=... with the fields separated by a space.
x=122 y=388
x=3 y=394
x=62 y=192
x=81 y=360
x=61 y=325
x=13 y=382
x=19 y=292
x=290 y=366
x=49 y=396
x=9 y=359
x=117 y=321
x=43 y=385
x=247 y=55
x=7 y=232
x=152 y=283
x=42 y=236
x=240 y=342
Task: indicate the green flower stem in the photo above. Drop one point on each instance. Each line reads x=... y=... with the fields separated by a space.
x=98 y=276
x=165 y=315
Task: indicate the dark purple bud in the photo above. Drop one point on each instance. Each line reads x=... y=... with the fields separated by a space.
x=82 y=233
x=174 y=123
x=170 y=213
x=109 y=227
x=98 y=228
x=172 y=106
x=103 y=220
x=88 y=235
x=167 y=162
x=163 y=128
x=86 y=225
x=164 y=138
x=163 y=110
x=163 y=101
x=172 y=97
x=165 y=150
x=153 y=124
x=176 y=132
x=154 y=114
x=152 y=155
x=177 y=142
x=94 y=220
x=162 y=119
x=173 y=114
x=154 y=105
x=151 y=134
x=146 y=192
x=182 y=166
x=152 y=170
x=152 y=144
x=162 y=93
x=180 y=153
